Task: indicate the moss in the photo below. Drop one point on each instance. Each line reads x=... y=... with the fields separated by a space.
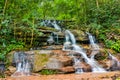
x=40 y=60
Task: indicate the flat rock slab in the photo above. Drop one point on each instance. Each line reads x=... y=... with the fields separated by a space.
x=83 y=76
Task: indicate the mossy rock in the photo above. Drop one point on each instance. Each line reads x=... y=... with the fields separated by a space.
x=10 y=57
x=40 y=59
x=80 y=35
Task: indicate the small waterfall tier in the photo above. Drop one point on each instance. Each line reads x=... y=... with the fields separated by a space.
x=23 y=62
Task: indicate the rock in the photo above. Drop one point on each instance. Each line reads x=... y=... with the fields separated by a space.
x=2 y=67
x=10 y=57
x=68 y=69
x=11 y=69
x=60 y=52
x=41 y=58
x=65 y=60
x=53 y=63
x=84 y=66
x=80 y=35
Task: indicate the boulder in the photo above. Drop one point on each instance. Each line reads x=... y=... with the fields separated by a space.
x=57 y=62
x=80 y=35
x=41 y=58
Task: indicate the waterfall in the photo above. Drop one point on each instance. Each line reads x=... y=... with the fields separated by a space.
x=50 y=40
x=95 y=66
x=70 y=37
x=56 y=26
x=115 y=63
x=77 y=49
x=77 y=66
x=94 y=47
x=71 y=42
x=23 y=64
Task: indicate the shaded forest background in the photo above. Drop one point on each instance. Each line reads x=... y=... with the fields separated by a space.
x=100 y=17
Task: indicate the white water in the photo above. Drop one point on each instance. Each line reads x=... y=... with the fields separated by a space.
x=50 y=40
x=77 y=49
x=70 y=37
x=95 y=66
x=56 y=26
x=77 y=66
x=55 y=36
x=94 y=46
x=22 y=64
x=114 y=60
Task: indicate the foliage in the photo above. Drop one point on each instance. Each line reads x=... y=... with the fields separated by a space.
x=106 y=14
x=20 y=19
x=48 y=72
x=115 y=45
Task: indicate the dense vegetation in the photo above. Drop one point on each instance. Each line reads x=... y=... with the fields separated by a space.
x=19 y=17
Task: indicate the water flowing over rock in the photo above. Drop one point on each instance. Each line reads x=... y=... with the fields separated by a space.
x=70 y=57
x=94 y=65
x=56 y=26
x=24 y=64
x=113 y=62
x=70 y=37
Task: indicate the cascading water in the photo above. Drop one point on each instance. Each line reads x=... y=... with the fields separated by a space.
x=22 y=63
x=77 y=66
x=53 y=38
x=94 y=65
x=94 y=47
x=50 y=40
x=114 y=62
x=70 y=41
x=56 y=26
x=70 y=37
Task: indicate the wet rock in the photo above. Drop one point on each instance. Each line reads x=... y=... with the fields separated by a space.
x=84 y=66
x=67 y=46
